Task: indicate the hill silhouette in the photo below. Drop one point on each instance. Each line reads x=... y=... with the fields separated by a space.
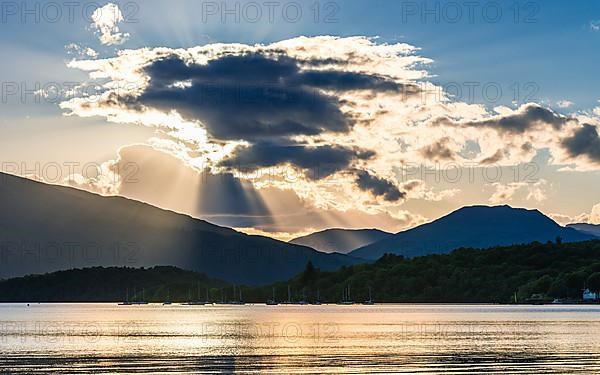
x=45 y=228
x=476 y=227
x=340 y=240
x=590 y=229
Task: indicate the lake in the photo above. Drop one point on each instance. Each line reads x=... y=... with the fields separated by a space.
x=327 y=339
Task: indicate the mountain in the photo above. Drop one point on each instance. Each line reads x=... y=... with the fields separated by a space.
x=45 y=228
x=477 y=227
x=590 y=229
x=340 y=240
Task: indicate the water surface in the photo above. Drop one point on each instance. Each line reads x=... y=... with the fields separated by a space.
x=452 y=339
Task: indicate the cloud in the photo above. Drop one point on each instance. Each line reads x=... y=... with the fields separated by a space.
x=595 y=25
x=105 y=21
x=537 y=191
x=257 y=105
x=507 y=192
x=254 y=96
x=593 y=217
x=528 y=117
x=493 y=159
x=504 y=193
x=322 y=108
x=584 y=142
x=80 y=51
x=438 y=150
x=595 y=214
x=243 y=97
x=564 y=103
x=317 y=162
x=378 y=186
x=566 y=219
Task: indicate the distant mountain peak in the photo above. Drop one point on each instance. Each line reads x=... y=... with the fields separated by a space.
x=339 y=240
x=590 y=229
x=477 y=226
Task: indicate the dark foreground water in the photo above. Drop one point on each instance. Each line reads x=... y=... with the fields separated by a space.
x=454 y=339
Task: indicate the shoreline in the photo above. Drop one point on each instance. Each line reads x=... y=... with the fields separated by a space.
x=215 y=304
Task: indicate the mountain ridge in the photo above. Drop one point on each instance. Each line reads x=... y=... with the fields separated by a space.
x=591 y=229
x=45 y=228
x=477 y=226
x=340 y=240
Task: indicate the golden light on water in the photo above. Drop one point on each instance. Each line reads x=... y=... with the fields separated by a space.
x=305 y=339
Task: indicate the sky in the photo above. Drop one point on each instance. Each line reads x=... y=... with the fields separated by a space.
x=282 y=118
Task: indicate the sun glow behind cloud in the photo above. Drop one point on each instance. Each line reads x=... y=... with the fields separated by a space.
x=379 y=112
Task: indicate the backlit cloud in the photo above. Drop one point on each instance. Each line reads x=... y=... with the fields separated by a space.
x=527 y=118
x=105 y=22
x=378 y=186
x=584 y=142
x=343 y=113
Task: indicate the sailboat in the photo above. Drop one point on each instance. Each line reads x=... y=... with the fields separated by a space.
x=168 y=300
x=303 y=301
x=289 y=299
x=189 y=299
x=272 y=302
x=318 y=300
x=239 y=301
x=370 y=300
x=143 y=301
x=346 y=297
x=134 y=302
x=126 y=302
x=222 y=301
x=233 y=301
x=197 y=302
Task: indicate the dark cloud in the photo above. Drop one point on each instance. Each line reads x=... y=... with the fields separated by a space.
x=379 y=187
x=531 y=116
x=267 y=99
x=494 y=158
x=411 y=185
x=584 y=142
x=252 y=96
x=344 y=81
x=317 y=162
x=438 y=150
x=526 y=147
